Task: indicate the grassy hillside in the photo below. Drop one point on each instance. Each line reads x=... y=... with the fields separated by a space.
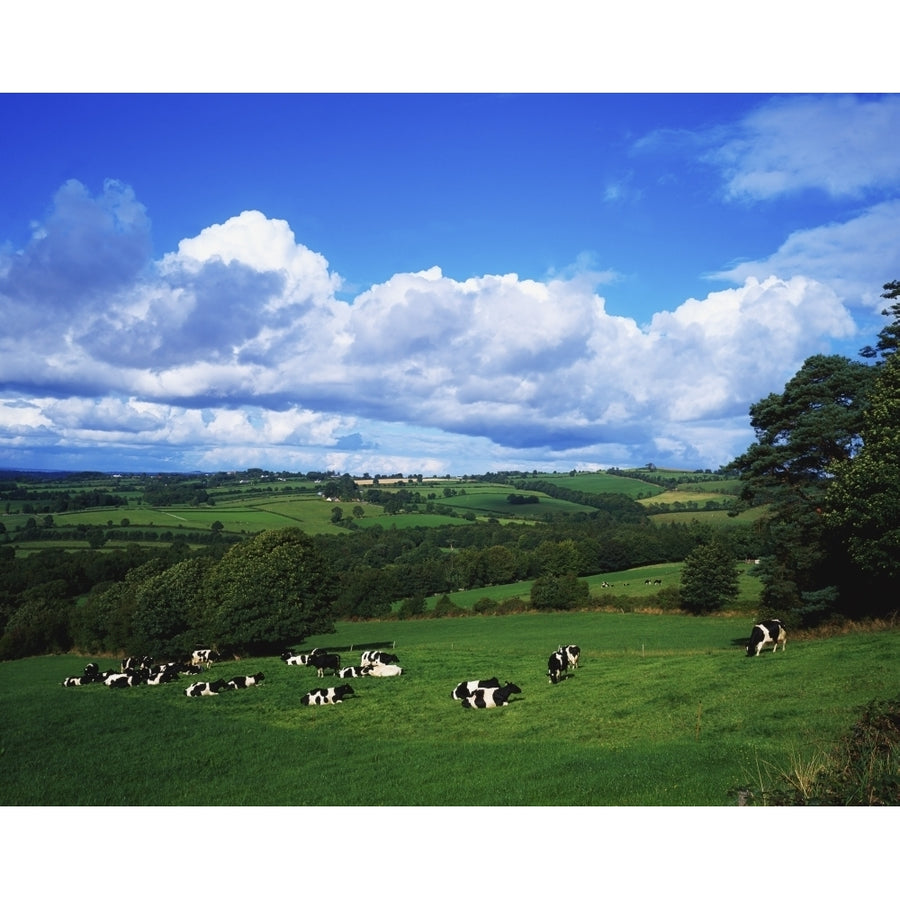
x=664 y=711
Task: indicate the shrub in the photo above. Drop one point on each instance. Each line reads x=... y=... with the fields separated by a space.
x=485 y=605
x=445 y=607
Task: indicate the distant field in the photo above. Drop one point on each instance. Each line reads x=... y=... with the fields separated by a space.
x=629 y=583
x=602 y=483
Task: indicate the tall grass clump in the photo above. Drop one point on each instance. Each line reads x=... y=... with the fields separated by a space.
x=863 y=769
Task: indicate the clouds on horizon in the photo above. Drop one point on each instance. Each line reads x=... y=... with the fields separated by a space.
x=236 y=350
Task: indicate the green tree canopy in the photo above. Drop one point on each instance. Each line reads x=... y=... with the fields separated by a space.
x=863 y=499
x=270 y=591
x=709 y=578
x=801 y=434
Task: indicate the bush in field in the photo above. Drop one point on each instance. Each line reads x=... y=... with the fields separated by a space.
x=511 y=605
x=668 y=598
x=484 y=606
x=445 y=607
x=411 y=607
x=559 y=592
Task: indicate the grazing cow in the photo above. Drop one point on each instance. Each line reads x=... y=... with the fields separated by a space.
x=199 y=657
x=557 y=667
x=354 y=672
x=324 y=696
x=245 y=681
x=385 y=671
x=322 y=661
x=465 y=688
x=769 y=632
x=488 y=698
x=571 y=652
x=206 y=688
x=373 y=657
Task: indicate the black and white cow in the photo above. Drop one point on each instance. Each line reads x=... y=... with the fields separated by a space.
x=557 y=667
x=245 y=681
x=488 y=698
x=373 y=657
x=325 y=696
x=77 y=680
x=465 y=688
x=572 y=652
x=165 y=675
x=769 y=632
x=322 y=661
x=133 y=663
x=354 y=672
x=126 y=679
x=204 y=657
x=206 y=688
x=296 y=659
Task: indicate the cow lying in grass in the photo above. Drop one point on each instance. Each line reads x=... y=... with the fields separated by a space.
x=206 y=688
x=324 y=696
x=465 y=688
x=488 y=698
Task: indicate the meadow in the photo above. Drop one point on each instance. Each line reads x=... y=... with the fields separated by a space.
x=664 y=710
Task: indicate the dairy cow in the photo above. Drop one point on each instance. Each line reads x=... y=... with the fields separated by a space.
x=206 y=688
x=465 y=688
x=488 y=698
x=244 y=681
x=557 y=667
x=572 y=652
x=769 y=632
x=326 y=696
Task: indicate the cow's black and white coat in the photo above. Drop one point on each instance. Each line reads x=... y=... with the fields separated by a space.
x=354 y=672
x=572 y=652
x=133 y=663
x=326 y=696
x=206 y=688
x=245 y=681
x=374 y=657
x=126 y=679
x=204 y=656
x=465 y=688
x=488 y=698
x=557 y=667
x=769 y=632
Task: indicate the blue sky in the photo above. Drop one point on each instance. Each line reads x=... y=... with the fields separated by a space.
x=428 y=283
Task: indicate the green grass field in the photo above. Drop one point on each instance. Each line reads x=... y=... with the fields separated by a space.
x=665 y=710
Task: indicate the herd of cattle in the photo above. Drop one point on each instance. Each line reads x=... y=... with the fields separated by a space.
x=476 y=694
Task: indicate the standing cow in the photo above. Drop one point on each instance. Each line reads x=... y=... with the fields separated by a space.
x=769 y=632
x=557 y=667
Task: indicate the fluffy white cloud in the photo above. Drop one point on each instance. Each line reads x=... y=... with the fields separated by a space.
x=842 y=145
x=840 y=254
x=235 y=351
